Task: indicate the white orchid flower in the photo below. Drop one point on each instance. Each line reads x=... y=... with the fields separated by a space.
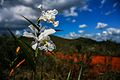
x=42 y=41
x=44 y=34
x=32 y=34
x=47 y=46
x=49 y=16
x=41 y=38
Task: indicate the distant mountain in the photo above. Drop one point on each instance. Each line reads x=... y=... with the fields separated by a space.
x=86 y=45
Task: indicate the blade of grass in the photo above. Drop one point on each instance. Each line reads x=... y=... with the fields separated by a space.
x=31 y=23
x=26 y=50
x=68 y=77
x=80 y=73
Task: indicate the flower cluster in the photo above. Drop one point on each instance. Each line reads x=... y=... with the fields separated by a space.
x=41 y=37
x=49 y=16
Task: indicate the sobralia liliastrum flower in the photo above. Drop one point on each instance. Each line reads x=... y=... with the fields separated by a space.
x=49 y=16
x=41 y=38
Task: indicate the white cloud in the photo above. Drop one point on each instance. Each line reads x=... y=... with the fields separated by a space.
x=27 y=1
x=72 y=35
x=13 y=13
x=1 y=2
x=101 y=25
x=113 y=31
x=73 y=21
x=0 y=18
x=102 y=3
x=47 y=4
x=70 y=12
x=108 y=34
x=82 y=26
x=62 y=4
x=81 y=31
x=85 y=8
x=23 y=10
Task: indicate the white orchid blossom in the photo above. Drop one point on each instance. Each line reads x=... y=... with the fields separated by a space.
x=46 y=45
x=42 y=41
x=41 y=38
x=49 y=16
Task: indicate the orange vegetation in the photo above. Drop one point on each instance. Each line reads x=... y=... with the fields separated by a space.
x=101 y=62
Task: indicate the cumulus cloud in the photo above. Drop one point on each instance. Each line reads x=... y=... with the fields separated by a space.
x=72 y=35
x=1 y=2
x=62 y=4
x=27 y=1
x=113 y=31
x=0 y=18
x=85 y=8
x=101 y=25
x=23 y=10
x=70 y=12
x=108 y=34
x=82 y=26
x=11 y=9
x=81 y=31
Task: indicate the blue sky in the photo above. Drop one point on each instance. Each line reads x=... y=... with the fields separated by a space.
x=95 y=19
x=107 y=12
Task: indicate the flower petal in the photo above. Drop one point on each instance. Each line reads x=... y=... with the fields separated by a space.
x=34 y=46
x=51 y=46
x=34 y=30
x=49 y=32
x=46 y=33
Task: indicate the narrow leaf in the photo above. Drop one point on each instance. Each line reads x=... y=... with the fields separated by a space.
x=26 y=50
x=68 y=77
x=58 y=30
x=31 y=23
x=80 y=73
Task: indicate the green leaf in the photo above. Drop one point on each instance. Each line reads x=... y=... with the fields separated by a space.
x=28 y=52
x=80 y=73
x=31 y=23
x=68 y=77
x=58 y=30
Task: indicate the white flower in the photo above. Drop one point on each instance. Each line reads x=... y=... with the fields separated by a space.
x=49 y=16
x=42 y=41
x=45 y=44
x=44 y=34
x=32 y=34
x=48 y=46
